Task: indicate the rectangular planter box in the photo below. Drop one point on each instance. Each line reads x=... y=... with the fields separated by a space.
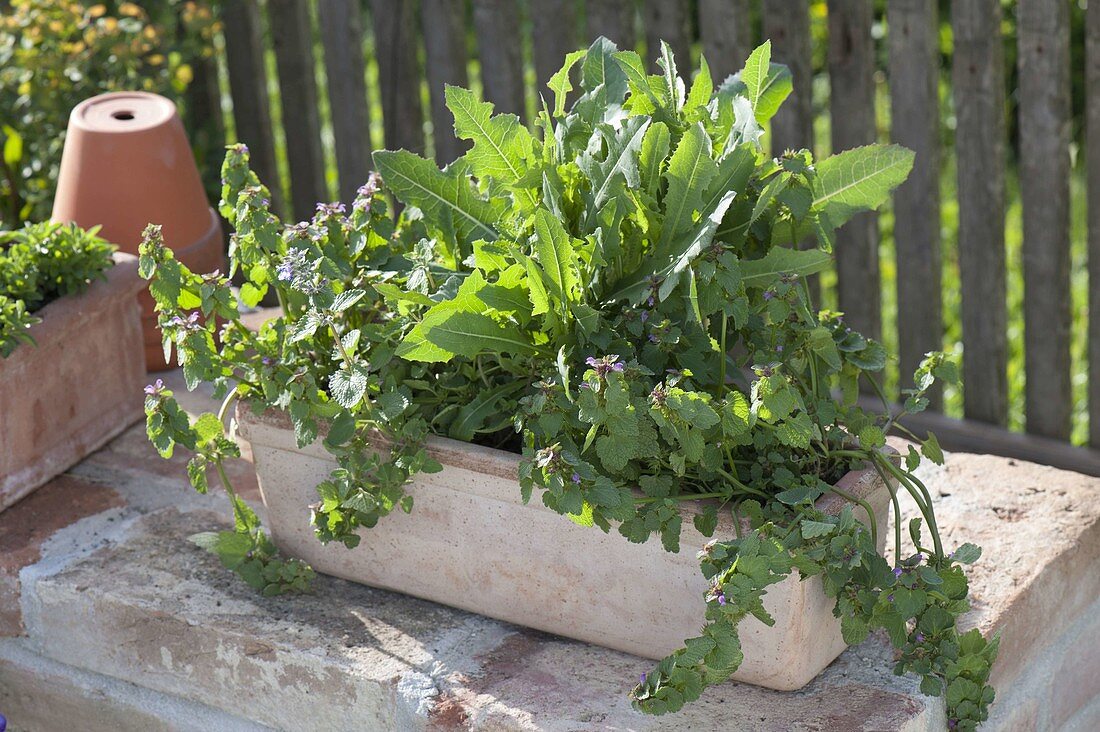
x=79 y=386
x=471 y=543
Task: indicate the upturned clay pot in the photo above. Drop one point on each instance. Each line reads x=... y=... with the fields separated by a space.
x=126 y=164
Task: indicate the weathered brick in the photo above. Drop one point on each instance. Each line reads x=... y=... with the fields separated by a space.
x=27 y=525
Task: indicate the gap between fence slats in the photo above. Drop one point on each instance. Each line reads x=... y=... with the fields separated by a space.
x=1092 y=160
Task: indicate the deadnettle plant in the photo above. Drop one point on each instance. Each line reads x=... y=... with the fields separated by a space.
x=617 y=297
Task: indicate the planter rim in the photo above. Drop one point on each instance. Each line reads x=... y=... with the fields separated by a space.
x=860 y=483
x=122 y=281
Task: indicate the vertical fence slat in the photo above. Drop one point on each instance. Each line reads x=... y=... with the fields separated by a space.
x=1092 y=151
x=444 y=27
x=914 y=119
x=978 y=83
x=205 y=121
x=248 y=87
x=497 y=24
x=341 y=24
x=726 y=35
x=613 y=19
x=1043 y=61
x=293 y=41
x=852 y=111
x=787 y=25
x=668 y=21
x=398 y=74
x=554 y=35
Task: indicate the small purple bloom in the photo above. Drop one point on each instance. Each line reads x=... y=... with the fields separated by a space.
x=779 y=348
x=890 y=597
x=267 y=360
x=643 y=678
x=898 y=571
x=919 y=638
x=285 y=271
x=645 y=315
x=649 y=301
x=768 y=294
x=721 y=599
x=576 y=478
x=155 y=388
x=652 y=338
x=605 y=364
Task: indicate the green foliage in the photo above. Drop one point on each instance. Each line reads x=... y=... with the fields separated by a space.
x=617 y=290
x=41 y=263
x=54 y=54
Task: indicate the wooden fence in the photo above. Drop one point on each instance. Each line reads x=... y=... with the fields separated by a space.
x=428 y=43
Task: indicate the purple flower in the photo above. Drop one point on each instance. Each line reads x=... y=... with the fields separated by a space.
x=576 y=477
x=643 y=678
x=285 y=271
x=919 y=638
x=267 y=360
x=645 y=315
x=721 y=599
x=779 y=348
x=898 y=571
x=890 y=597
x=768 y=294
x=605 y=364
x=652 y=338
x=330 y=208
x=365 y=194
x=649 y=301
x=156 y=388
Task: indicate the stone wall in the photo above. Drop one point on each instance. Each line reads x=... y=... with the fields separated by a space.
x=110 y=618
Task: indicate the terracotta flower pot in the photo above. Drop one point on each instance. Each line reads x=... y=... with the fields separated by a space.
x=74 y=389
x=126 y=164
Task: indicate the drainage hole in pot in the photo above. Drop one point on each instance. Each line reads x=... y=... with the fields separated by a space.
x=124 y=116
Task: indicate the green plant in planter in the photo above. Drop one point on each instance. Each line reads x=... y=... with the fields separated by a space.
x=621 y=288
x=40 y=263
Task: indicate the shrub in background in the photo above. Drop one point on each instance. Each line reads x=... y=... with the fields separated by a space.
x=56 y=53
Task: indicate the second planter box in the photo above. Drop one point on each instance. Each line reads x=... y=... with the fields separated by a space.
x=471 y=542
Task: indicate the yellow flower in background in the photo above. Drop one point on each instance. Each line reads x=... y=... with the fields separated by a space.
x=184 y=75
x=110 y=24
x=156 y=59
x=130 y=10
x=96 y=11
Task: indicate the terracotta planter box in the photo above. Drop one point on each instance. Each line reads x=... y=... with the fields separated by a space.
x=80 y=386
x=471 y=543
